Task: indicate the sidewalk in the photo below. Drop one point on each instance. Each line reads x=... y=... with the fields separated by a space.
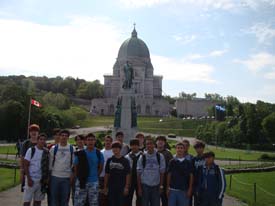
x=13 y=197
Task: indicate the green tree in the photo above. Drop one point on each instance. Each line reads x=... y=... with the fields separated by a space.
x=269 y=126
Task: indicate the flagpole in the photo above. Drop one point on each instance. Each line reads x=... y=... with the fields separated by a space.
x=29 y=117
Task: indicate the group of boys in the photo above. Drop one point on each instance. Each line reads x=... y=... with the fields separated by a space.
x=111 y=176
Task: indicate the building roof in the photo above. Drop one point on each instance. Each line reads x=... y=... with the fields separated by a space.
x=133 y=47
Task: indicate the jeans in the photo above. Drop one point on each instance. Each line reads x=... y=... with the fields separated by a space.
x=150 y=195
x=90 y=192
x=208 y=200
x=178 y=198
x=60 y=191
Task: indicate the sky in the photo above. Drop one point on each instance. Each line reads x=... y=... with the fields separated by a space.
x=202 y=46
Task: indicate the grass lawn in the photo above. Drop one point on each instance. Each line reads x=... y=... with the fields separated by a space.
x=8 y=149
x=151 y=124
x=243 y=188
x=7 y=178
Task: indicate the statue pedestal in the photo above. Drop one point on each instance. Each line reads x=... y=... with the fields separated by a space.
x=129 y=132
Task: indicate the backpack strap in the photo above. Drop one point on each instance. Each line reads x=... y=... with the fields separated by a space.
x=54 y=153
x=72 y=152
x=32 y=152
x=98 y=154
x=158 y=158
x=143 y=160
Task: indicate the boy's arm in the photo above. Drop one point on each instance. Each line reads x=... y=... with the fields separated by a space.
x=190 y=188
x=168 y=180
x=222 y=183
x=139 y=171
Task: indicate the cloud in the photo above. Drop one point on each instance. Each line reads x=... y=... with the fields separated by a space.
x=80 y=48
x=180 y=69
x=184 y=39
x=257 y=62
x=270 y=75
x=228 y=5
x=214 y=53
x=264 y=33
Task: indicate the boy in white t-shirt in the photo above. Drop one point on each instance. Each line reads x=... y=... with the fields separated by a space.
x=33 y=171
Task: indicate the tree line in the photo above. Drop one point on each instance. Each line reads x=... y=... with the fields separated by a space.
x=54 y=94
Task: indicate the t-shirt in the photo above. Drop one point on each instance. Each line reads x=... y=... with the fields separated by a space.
x=180 y=170
x=150 y=175
x=118 y=169
x=35 y=163
x=62 y=165
x=106 y=154
x=93 y=162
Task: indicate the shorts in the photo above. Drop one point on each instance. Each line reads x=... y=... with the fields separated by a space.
x=33 y=193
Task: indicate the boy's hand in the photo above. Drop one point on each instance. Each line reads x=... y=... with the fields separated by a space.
x=139 y=191
x=105 y=191
x=30 y=182
x=167 y=192
x=126 y=191
x=189 y=193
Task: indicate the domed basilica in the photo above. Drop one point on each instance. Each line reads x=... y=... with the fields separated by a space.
x=147 y=86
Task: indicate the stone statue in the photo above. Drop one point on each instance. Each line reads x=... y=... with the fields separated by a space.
x=134 y=113
x=129 y=75
x=118 y=113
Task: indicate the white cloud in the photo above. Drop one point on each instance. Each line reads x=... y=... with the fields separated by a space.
x=264 y=33
x=205 y=4
x=85 y=47
x=175 y=69
x=214 y=53
x=270 y=75
x=258 y=62
x=184 y=39
x=218 y=53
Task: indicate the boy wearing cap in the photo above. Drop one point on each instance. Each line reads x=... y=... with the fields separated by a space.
x=150 y=171
x=133 y=157
x=211 y=182
x=161 y=148
x=124 y=147
x=117 y=177
x=179 y=178
x=61 y=161
x=36 y=162
x=28 y=143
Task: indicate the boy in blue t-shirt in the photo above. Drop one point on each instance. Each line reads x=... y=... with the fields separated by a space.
x=88 y=165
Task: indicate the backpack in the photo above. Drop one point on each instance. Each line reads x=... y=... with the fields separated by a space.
x=55 y=151
x=144 y=159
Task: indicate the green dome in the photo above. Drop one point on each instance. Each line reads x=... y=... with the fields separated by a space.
x=133 y=47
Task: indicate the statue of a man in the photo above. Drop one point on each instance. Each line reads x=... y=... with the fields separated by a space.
x=129 y=75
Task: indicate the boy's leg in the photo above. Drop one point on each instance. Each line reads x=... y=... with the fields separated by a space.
x=92 y=189
x=138 y=198
x=172 y=199
x=182 y=198
x=145 y=195
x=28 y=195
x=155 y=196
x=54 y=185
x=65 y=189
x=38 y=196
x=80 y=196
x=129 y=197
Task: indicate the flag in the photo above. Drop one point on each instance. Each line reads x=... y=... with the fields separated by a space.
x=36 y=103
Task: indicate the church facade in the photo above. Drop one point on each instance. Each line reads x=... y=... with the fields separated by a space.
x=147 y=86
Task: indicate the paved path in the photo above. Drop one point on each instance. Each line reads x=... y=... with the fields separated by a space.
x=13 y=197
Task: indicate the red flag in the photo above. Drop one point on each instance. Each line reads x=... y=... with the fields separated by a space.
x=36 y=103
